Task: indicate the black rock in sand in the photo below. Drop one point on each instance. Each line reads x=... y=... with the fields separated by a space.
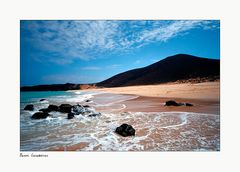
x=29 y=107
x=125 y=130
x=40 y=115
x=42 y=100
x=171 y=103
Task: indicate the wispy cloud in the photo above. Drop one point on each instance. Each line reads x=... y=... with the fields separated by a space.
x=65 y=41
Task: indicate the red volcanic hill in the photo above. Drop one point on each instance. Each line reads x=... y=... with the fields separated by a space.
x=170 y=69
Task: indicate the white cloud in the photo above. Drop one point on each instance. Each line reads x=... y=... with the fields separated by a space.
x=169 y=31
x=65 y=41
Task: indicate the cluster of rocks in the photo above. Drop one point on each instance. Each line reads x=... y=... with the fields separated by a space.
x=173 y=103
x=124 y=130
x=71 y=111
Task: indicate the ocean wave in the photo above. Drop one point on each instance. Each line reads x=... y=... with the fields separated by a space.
x=155 y=131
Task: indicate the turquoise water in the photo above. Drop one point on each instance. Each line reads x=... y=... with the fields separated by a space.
x=34 y=133
x=26 y=97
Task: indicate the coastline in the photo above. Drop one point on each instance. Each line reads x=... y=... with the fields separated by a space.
x=151 y=98
x=158 y=127
x=203 y=90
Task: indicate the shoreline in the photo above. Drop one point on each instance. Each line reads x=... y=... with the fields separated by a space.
x=204 y=96
x=157 y=104
x=158 y=127
x=203 y=90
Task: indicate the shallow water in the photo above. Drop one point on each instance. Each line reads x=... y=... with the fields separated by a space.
x=155 y=131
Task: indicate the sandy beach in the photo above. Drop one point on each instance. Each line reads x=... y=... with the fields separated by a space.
x=151 y=98
x=200 y=91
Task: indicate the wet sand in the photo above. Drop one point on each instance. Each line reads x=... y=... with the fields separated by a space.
x=154 y=104
x=204 y=96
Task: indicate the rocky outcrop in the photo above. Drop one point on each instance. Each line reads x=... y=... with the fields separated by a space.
x=125 y=130
x=65 y=108
x=78 y=109
x=46 y=110
x=53 y=108
x=40 y=115
x=29 y=107
x=50 y=108
x=71 y=111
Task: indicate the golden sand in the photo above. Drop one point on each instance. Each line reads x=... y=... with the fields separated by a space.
x=206 y=90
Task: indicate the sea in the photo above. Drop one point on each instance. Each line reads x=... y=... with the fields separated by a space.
x=155 y=131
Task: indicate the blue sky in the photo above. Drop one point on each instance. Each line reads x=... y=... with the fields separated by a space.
x=53 y=52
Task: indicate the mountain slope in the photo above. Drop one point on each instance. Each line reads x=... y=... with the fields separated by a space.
x=170 y=69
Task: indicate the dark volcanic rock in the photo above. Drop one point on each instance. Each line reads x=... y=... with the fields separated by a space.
x=42 y=100
x=86 y=106
x=78 y=109
x=46 y=110
x=94 y=115
x=70 y=115
x=88 y=101
x=53 y=107
x=181 y=104
x=125 y=130
x=40 y=115
x=29 y=107
x=65 y=108
x=172 y=103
